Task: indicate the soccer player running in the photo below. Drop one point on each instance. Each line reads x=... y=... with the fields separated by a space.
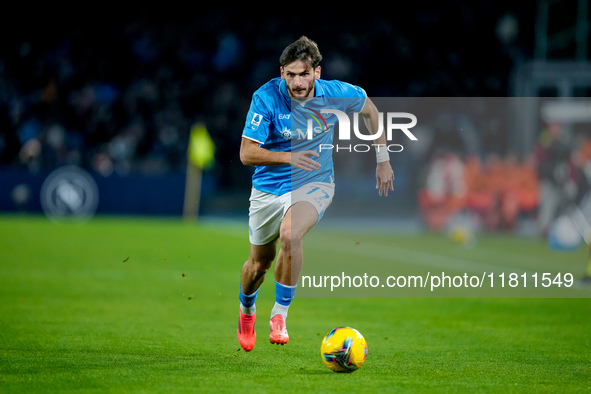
x=278 y=213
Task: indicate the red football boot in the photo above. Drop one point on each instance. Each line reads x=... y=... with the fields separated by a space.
x=279 y=333
x=245 y=332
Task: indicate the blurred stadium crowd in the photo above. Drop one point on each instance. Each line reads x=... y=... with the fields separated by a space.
x=122 y=98
x=499 y=192
x=119 y=93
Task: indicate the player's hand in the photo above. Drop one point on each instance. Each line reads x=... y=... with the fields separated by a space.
x=384 y=178
x=303 y=161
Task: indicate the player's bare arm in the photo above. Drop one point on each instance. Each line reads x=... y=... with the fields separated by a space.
x=384 y=173
x=251 y=154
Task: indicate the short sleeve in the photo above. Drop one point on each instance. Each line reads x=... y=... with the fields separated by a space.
x=350 y=96
x=258 y=120
x=357 y=95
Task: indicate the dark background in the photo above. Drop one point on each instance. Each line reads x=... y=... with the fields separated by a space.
x=116 y=89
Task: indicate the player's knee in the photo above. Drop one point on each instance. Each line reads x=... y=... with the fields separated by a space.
x=285 y=238
x=289 y=239
x=260 y=266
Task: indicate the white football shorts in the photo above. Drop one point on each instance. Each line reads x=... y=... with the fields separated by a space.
x=266 y=210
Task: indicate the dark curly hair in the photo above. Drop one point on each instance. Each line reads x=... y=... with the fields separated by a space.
x=302 y=49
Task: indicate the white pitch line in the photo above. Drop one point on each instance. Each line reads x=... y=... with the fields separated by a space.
x=408 y=256
x=403 y=255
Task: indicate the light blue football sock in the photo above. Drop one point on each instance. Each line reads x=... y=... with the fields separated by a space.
x=283 y=296
x=247 y=302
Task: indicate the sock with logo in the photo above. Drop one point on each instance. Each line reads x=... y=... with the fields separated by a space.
x=283 y=296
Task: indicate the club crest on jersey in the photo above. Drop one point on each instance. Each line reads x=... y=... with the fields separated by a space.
x=286 y=134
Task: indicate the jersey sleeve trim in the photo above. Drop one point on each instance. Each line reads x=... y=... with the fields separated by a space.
x=252 y=139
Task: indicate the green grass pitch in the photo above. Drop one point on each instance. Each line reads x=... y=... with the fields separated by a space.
x=150 y=305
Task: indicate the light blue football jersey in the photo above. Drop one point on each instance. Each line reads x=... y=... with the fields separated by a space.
x=272 y=123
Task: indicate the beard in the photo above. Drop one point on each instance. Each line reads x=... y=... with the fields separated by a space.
x=300 y=93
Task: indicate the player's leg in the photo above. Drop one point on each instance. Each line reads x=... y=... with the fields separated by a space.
x=265 y=215
x=252 y=276
x=253 y=272
x=299 y=219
